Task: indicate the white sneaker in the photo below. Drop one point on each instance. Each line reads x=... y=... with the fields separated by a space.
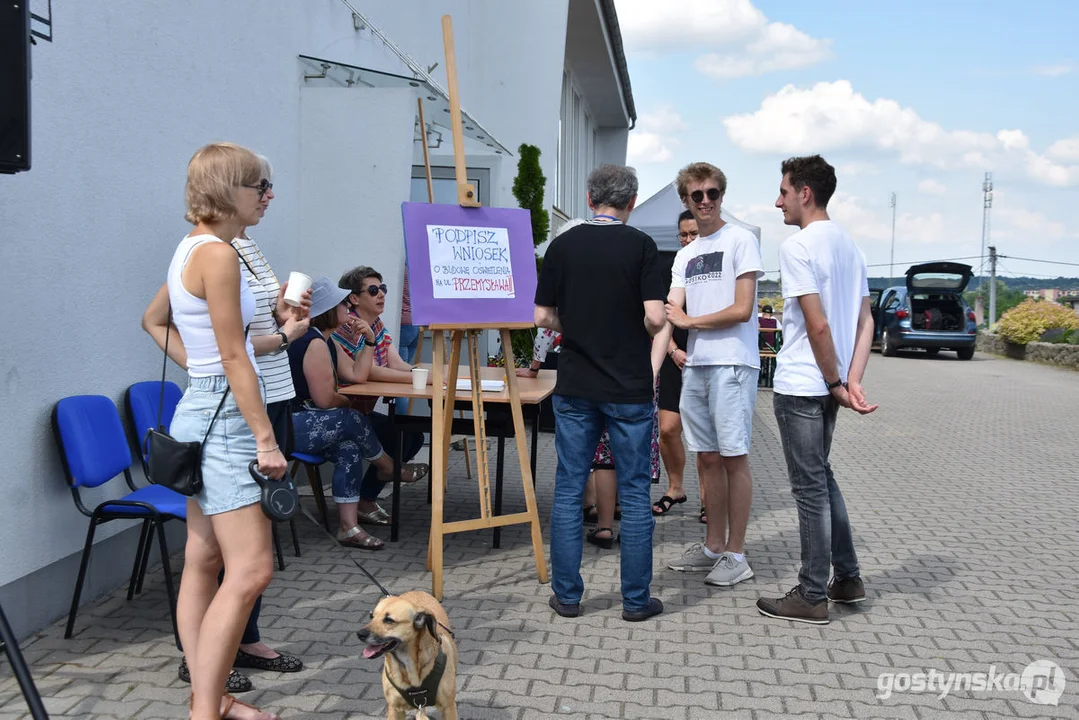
x=729 y=571
x=692 y=560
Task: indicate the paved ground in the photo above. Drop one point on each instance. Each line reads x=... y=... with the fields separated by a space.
x=962 y=490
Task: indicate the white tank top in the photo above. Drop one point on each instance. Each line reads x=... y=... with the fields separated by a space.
x=191 y=315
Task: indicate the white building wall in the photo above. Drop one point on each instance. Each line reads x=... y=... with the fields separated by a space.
x=120 y=101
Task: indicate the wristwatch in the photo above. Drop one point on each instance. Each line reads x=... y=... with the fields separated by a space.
x=834 y=385
x=284 y=343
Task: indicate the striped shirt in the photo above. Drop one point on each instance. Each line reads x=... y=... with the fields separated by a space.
x=273 y=368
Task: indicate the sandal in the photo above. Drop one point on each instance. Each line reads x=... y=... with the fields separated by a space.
x=237 y=682
x=664 y=504
x=604 y=542
x=355 y=537
x=378 y=516
x=231 y=701
x=418 y=471
x=281 y=663
x=703 y=520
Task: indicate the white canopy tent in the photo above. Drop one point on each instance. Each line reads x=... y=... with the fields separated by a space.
x=658 y=217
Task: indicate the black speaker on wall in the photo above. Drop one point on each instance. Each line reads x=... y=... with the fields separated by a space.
x=14 y=86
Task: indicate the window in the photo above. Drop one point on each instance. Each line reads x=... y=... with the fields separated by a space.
x=576 y=150
x=444 y=184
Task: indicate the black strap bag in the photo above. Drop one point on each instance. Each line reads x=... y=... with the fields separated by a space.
x=170 y=462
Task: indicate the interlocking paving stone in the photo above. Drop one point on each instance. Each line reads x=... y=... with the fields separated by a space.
x=962 y=492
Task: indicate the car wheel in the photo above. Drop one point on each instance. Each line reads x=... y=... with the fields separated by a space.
x=887 y=349
x=965 y=353
x=932 y=352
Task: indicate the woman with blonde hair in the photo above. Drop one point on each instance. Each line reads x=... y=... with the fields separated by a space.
x=211 y=307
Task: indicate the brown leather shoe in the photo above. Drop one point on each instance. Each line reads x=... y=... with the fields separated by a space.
x=850 y=590
x=793 y=606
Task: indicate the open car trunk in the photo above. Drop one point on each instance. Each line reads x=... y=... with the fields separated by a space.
x=936 y=313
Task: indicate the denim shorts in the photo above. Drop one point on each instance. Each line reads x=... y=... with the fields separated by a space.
x=227 y=451
x=717 y=408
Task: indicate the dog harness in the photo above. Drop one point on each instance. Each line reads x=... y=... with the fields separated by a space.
x=423 y=695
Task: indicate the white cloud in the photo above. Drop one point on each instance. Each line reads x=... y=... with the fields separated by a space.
x=832 y=116
x=856 y=167
x=1053 y=70
x=1064 y=151
x=740 y=40
x=654 y=139
x=932 y=187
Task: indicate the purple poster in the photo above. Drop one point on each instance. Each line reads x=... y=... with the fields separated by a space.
x=468 y=266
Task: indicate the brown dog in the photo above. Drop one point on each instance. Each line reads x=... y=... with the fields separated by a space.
x=412 y=632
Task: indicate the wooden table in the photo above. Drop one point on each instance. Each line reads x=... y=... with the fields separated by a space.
x=533 y=391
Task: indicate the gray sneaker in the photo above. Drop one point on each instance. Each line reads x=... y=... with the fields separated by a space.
x=692 y=560
x=728 y=571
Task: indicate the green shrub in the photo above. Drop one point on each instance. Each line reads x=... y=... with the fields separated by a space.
x=1028 y=321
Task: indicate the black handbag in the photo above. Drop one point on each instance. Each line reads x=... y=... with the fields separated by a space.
x=170 y=462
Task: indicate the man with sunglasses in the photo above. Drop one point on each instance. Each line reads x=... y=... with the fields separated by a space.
x=715 y=277
x=367 y=300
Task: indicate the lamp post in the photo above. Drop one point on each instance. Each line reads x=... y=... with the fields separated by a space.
x=891 y=264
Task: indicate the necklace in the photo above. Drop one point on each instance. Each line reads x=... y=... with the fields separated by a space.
x=610 y=218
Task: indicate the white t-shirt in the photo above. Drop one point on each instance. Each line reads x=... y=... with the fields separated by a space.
x=707 y=268
x=820 y=259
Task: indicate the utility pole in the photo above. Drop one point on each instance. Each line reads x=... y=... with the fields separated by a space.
x=891 y=264
x=987 y=205
x=992 y=286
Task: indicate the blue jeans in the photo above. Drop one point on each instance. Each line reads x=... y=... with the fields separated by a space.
x=806 y=426
x=578 y=426
x=344 y=437
x=407 y=340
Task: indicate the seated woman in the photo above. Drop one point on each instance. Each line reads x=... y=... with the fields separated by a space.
x=374 y=358
x=325 y=425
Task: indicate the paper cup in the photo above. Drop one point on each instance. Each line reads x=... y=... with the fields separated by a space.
x=419 y=378
x=298 y=284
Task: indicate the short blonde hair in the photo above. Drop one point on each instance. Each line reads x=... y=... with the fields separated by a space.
x=213 y=175
x=699 y=172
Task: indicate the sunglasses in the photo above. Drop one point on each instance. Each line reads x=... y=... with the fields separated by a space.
x=263 y=187
x=374 y=290
x=697 y=196
x=691 y=233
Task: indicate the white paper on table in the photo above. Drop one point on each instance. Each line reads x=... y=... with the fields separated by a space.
x=465 y=385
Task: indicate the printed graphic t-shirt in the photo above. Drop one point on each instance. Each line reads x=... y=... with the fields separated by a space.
x=707 y=268
x=820 y=259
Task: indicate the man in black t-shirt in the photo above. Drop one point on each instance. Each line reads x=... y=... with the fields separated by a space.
x=603 y=288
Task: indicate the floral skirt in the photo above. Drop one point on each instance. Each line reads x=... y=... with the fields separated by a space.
x=604 y=459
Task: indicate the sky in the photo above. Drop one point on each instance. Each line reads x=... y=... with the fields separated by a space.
x=918 y=98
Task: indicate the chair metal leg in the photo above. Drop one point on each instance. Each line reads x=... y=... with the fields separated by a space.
x=168 y=576
x=295 y=538
x=277 y=547
x=314 y=476
x=82 y=576
x=143 y=532
x=145 y=559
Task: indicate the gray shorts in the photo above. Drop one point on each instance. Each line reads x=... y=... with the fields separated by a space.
x=230 y=447
x=717 y=408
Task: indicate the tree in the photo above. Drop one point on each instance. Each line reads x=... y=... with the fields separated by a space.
x=528 y=188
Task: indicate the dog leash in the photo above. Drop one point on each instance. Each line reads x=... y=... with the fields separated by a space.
x=337 y=546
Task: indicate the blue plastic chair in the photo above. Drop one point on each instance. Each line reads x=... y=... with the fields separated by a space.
x=94 y=450
x=142 y=400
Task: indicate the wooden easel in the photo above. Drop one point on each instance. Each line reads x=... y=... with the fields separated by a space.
x=445 y=389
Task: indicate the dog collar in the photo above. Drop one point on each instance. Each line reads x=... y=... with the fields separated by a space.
x=424 y=694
